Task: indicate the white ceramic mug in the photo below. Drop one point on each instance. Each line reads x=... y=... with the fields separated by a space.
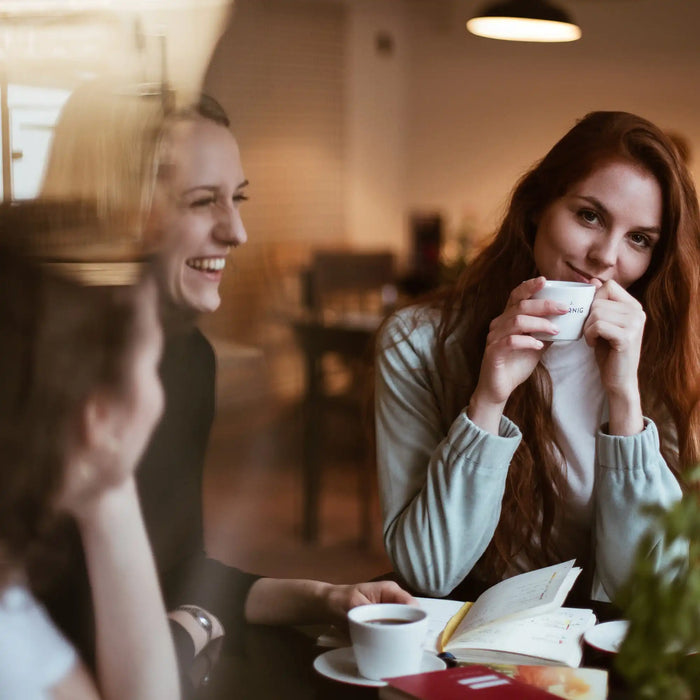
x=387 y=639
x=578 y=297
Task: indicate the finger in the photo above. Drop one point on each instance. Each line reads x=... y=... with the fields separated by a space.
x=525 y=290
x=398 y=596
x=615 y=292
x=618 y=336
x=389 y=592
x=520 y=324
x=514 y=343
x=536 y=307
x=631 y=318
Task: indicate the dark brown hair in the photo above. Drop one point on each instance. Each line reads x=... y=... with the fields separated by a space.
x=669 y=368
x=59 y=342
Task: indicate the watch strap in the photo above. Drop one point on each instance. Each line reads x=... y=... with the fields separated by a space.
x=201 y=617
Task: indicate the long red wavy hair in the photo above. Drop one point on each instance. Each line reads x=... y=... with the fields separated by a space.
x=669 y=368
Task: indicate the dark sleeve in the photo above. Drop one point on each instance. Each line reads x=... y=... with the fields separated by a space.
x=170 y=486
x=170 y=472
x=216 y=587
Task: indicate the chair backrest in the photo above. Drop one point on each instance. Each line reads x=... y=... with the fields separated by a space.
x=350 y=281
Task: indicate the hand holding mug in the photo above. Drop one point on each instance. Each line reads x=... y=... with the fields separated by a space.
x=615 y=328
x=512 y=352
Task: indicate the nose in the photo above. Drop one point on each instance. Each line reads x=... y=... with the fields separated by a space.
x=603 y=251
x=229 y=228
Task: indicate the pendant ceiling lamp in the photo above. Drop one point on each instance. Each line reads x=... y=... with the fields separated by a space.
x=524 y=20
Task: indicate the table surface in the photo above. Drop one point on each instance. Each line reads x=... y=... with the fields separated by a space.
x=277 y=662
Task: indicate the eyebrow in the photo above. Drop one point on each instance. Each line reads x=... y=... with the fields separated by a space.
x=214 y=188
x=599 y=205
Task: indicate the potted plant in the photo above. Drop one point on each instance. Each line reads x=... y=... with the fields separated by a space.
x=658 y=657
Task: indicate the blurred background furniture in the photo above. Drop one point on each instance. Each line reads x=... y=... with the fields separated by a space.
x=346 y=295
x=424 y=273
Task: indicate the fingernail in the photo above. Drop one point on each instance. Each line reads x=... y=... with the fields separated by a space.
x=563 y=308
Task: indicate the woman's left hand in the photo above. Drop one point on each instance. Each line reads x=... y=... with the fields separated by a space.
x=615 y=327
x=341 y=598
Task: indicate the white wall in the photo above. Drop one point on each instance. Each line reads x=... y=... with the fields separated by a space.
x=341 y=142
x=482 y=111
x=375 y=124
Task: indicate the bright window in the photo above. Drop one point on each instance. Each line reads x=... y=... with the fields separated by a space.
x=33 y=111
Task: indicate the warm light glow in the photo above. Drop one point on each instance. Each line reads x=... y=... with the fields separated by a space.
x=15 y=8
x=54 y=42
x=520 y=29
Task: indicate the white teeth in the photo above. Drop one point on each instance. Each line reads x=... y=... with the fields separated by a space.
x=207 y=264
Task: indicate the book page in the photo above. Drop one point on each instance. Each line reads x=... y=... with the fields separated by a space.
x=525 y=594
x=554 y=636
x=440 y=612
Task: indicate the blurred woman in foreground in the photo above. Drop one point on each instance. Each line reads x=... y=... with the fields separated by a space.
x=79 y=398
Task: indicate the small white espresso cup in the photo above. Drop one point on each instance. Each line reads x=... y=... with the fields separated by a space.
x=578 y=296
x=387 y=639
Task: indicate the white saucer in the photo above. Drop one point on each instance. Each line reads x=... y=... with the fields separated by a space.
x=607 y=636
x=339 y=665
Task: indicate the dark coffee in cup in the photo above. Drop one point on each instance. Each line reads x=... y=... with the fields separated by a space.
x=387 y=639
x=387 y=621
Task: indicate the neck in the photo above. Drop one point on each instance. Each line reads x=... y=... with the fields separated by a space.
x=175 y=319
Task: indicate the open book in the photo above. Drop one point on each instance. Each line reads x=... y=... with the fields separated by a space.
x=518 y=621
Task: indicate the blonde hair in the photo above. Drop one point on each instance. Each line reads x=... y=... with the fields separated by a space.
x=104 y=152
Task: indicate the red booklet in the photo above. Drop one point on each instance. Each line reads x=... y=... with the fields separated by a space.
x=479 y=682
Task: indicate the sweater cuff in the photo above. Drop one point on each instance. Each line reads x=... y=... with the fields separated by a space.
x=627 y=451
x=467 y=437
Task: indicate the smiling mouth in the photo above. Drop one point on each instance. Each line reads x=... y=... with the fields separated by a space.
x=206 y=264
x=583 y=275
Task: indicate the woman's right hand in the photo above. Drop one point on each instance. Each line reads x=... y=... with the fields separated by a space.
x=511 y=353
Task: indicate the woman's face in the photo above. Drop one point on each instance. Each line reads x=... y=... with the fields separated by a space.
x=604 y=227
x=195 y=218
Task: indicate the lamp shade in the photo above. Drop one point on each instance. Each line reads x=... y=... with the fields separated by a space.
x=524 y=20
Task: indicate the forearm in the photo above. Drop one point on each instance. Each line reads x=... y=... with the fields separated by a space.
x=287 y=602
x=135 y=655
x=439 y=521
x=441 y=494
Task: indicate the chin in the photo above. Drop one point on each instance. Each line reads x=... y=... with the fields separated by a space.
x=204 y=306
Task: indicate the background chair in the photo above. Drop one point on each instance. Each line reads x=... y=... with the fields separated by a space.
x=346 y=295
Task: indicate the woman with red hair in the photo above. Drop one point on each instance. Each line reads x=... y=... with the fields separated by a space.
x=498 y=452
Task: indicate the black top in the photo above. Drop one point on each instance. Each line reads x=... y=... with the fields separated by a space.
x=169 y=479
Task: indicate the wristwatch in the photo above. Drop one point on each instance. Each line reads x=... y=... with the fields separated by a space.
x=201 y=617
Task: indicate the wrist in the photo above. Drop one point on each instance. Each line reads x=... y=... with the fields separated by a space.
x=105 y=506
x=200 y=624
x=485 y=414
x=320 y=603
x=626 y=417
